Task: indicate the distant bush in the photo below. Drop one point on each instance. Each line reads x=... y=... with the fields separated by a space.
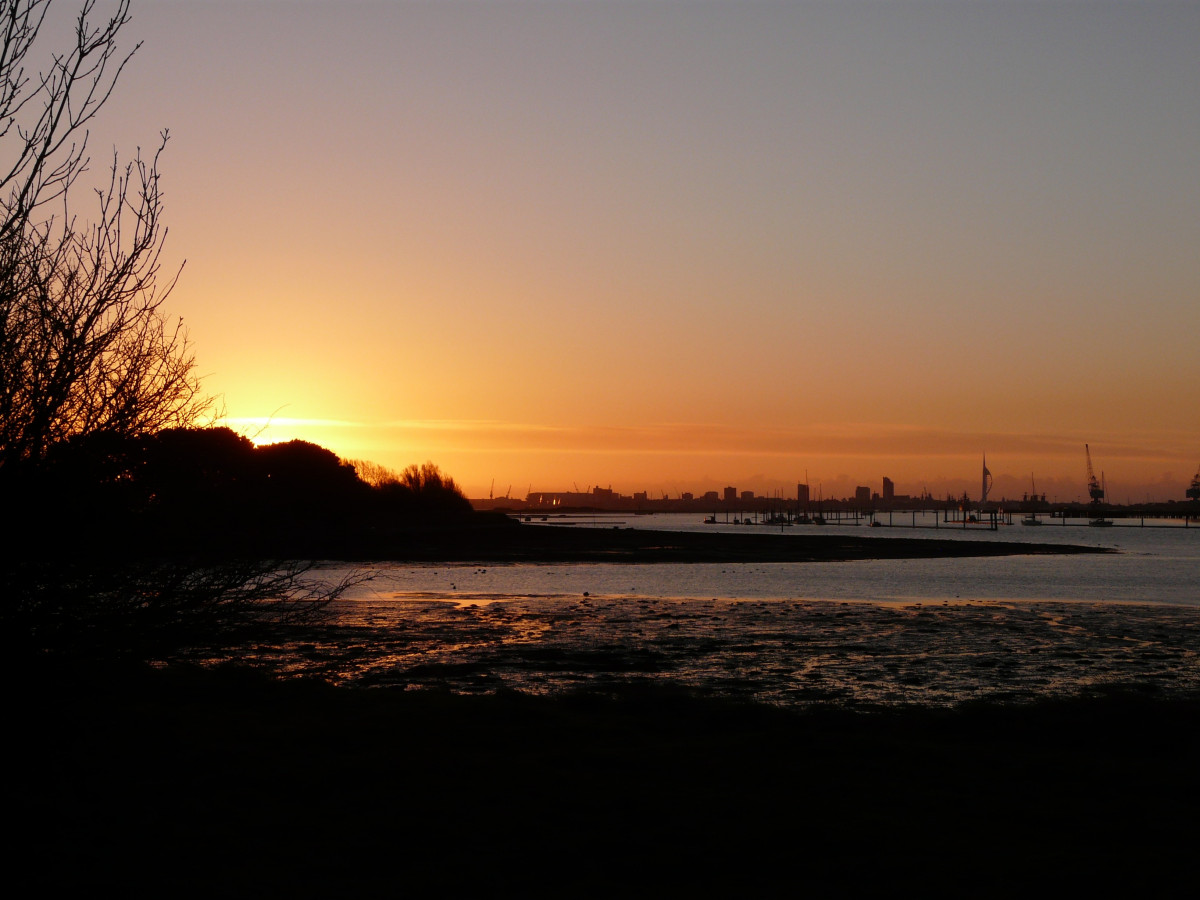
x=423 y=489
x=372 y=473
x=430 y=489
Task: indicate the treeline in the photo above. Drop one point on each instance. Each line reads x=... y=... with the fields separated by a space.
x=188 y=492
x=124 y=533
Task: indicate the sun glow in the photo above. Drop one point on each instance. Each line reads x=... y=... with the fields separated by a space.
x=735 y=257
x=266 y=430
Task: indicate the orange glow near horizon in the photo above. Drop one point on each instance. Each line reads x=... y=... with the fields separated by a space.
x=486 y=457
x=675 y=247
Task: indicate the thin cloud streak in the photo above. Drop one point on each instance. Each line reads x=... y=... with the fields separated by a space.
x=868 y=443
x=235 y=422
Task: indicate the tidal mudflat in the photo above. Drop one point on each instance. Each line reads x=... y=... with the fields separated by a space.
x=789 y=653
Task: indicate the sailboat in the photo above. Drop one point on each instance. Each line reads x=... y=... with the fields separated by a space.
x=1031 y=517
x=1096 y=490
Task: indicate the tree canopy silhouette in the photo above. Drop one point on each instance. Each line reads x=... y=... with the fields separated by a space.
x=211 y=491
x=420 y=489
x=427 y=489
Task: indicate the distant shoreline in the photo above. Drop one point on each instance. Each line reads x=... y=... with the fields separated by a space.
x=557 y=544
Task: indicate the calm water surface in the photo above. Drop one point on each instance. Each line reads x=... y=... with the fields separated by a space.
x=871 y=633
x=1151 y=565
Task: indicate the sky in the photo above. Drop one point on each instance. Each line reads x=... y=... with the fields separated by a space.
x=674 y=246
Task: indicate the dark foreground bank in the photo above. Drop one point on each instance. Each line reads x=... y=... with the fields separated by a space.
x=227 y=783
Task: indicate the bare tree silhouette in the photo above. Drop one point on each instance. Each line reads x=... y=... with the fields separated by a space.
x=373 y=473
x=428 y=490
x=86 y=350
x=84 y=343
x=424 y=489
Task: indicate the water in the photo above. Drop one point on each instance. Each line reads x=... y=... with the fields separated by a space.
x=1151 y=565
x=872 y=632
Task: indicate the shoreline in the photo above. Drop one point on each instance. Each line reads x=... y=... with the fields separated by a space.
x=496 y=538
x=556 y=544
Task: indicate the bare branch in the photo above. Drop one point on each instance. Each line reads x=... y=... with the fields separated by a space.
x=85 y=345
x=87 y=350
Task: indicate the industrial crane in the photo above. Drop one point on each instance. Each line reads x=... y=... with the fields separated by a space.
x=1095 y=491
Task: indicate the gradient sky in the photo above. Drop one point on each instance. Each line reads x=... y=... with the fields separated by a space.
x=675 y=246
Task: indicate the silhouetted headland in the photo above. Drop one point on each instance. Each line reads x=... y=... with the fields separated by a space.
x=197 y=493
